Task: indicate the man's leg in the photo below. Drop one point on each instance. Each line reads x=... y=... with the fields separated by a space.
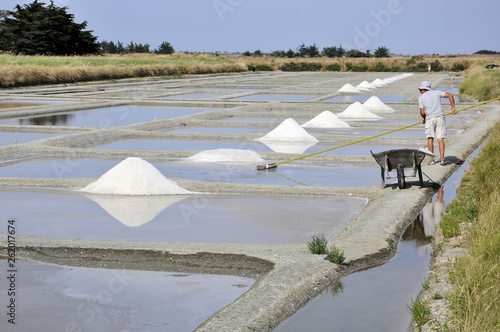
x=441 y=148
x=430 y=144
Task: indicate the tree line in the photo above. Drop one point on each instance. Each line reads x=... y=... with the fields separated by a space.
x=313 y=51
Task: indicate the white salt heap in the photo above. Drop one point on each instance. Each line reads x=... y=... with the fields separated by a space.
x=326 y=119
x=375 y=104
x=288 y=130
x=227 y=155
x=378 y=82
x=348 y=88
x=365 y=86
x=134 y=176
x=357 y=111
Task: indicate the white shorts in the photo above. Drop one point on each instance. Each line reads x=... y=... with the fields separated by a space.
x=435 y=127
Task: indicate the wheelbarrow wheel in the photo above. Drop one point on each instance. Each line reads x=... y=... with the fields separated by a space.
x=401 y=177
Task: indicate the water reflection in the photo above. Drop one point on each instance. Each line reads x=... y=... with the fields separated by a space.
x=134 y=211
x=431 y=214
x=373 y=299
x=49 y=120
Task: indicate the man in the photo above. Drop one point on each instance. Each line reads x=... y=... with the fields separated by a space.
x=429 y=102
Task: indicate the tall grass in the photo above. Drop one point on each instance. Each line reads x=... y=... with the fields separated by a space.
x=31 y=70
x=476 y=300
x=481 y=83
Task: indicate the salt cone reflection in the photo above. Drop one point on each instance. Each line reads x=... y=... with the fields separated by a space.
x=134 y=211
x=288 y=147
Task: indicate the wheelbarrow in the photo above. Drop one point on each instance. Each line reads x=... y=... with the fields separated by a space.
x=401 y=160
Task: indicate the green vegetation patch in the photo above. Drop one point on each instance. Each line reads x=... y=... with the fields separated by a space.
x=474 y=302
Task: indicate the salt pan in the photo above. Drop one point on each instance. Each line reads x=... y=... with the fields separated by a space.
x=357 y=111
x=326 y=119
x=288 y=130
x=227 y=155
x=134 y=176
x=348 y=88
x=375 y=104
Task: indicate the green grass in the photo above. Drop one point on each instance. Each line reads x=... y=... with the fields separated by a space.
x=420 y=312
x=335 y=255
x=113 y=60
x=32 y=70
x=318 y=244
x=475 y=303
x=481 y=83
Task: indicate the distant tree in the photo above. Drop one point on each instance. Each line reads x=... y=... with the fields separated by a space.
x=137 y=48
x=38 y=28
x=247 y=53
x=257 y=53
x=302 y=50
x=109 y=47
x=312 y=51
x=486 y=52
x=290 y=53
x=279 y=54
x=354 y=53
x=165 y=48
x=382 y=52
x=330 y=52
x=120 y=47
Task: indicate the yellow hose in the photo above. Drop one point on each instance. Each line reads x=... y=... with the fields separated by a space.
x=270 y=166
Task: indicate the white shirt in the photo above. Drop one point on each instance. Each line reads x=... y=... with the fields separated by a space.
x=430 y=101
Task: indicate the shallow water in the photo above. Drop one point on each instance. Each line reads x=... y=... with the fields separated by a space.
x=339 y=175
x=203 y=218
x=106 y=117
x=371 y=300
x=276 y=146
x=275 y=97
x=7 y=138
x=363 y=98
x=27 y=103
x=376 y=299
x=62 y=298
x=193 y=96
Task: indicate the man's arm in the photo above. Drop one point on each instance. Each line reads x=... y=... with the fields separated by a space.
x=452 y=102
x=422 y=114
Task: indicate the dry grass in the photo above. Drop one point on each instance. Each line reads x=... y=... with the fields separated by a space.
x=482 y=83
x=32 y=70
x=25 y=70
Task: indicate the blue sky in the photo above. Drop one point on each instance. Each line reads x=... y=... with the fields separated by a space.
x=404 y=26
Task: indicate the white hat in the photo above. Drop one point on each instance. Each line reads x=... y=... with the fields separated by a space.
x=425 y=85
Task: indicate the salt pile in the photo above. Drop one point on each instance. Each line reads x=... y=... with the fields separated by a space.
x=134 y=211
x=375 y=104
x=288 y=130
x=227 y=155
x=348 y=88
x=358 y=111
x=134 y=176
x=364 y=86
x=326 y=119
x=378 y=82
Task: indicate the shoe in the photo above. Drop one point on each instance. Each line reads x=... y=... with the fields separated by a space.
x=443 y=163
x=431 y=162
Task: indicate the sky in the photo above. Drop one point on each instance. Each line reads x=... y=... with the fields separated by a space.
x=409 y=27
